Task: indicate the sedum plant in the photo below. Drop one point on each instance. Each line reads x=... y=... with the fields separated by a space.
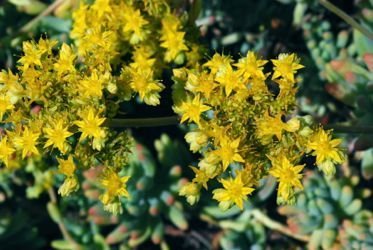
x=153 y=206
x=57 y=107
x=58 y=110
x=245 y=127
x=334 y=213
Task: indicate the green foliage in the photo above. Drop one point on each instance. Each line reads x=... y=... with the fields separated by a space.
x=335 y=213
x=343 y=57
x=154 y=203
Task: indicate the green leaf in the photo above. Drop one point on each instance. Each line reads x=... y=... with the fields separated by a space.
x=239 y=226
x=54 y=213
x=57 y=24
x=363 y=43
x=195 y=11
x=177 y=217
x=61 y=245
x=218 y=213
x=316 y=239
x=135 y=242
x=100 y=242
x=20 y=2
x=299 y=11
x=367 y=164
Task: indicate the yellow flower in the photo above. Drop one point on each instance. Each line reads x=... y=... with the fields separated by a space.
x=250 y=66
x=196 y=139
x=325 y=148
x=210 y=164
x=34 y=87
x=91 y=86
x=101 y=7
x=200 y=177
x=12 y=85
x=27 y=142
x=191 y=191
x=80 y=25
x=57 y=135
x=191 y=110
x=67 y=167
x=90 y=124
x=114 y=185
x=286 y=87
x=286 y=66
x=258 y=87
x=5 y=105
x=172 y=39
x=218 y=62
x=32 y=55
x=6 y=150
x=8 y=78
x=70 y=184
x=269 y=126
x=217 y=132
x=230 y=80
x=143 y=83
x=194 y=55
x=287 y=175
x=170 y=23
x=134 y=22
x=114 y=208
x=203 y=83
x=46 y=45
x=142 y=58
x=99 y=142
x=174 y=43
x=326 y=151
x=234 y=191
x=65 y=63
x=228 y=151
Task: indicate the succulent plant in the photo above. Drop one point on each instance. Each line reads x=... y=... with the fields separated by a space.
x=333 y=213
x=153 y=201
x=344 y=58
x=240 y=229
x=237 y=229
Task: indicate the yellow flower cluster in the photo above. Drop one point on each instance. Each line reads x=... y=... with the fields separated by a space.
x=147 y=33
x=53 y=101
x=245 y=129
x=57 y=106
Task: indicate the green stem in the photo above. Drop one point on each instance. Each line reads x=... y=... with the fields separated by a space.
x=174 y=120
x=346 y=18
x=28 y=26
x=65 y=233
x=274 y=225
x=142 y=122
x=350 y=129
x=264 y=220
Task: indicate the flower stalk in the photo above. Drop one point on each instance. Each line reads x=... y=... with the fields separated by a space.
x=28 y=26
x=274 y=225
x=174 y=120
x=142 y=122
x=65 y=233
x=346 y=18
x=345 y=129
